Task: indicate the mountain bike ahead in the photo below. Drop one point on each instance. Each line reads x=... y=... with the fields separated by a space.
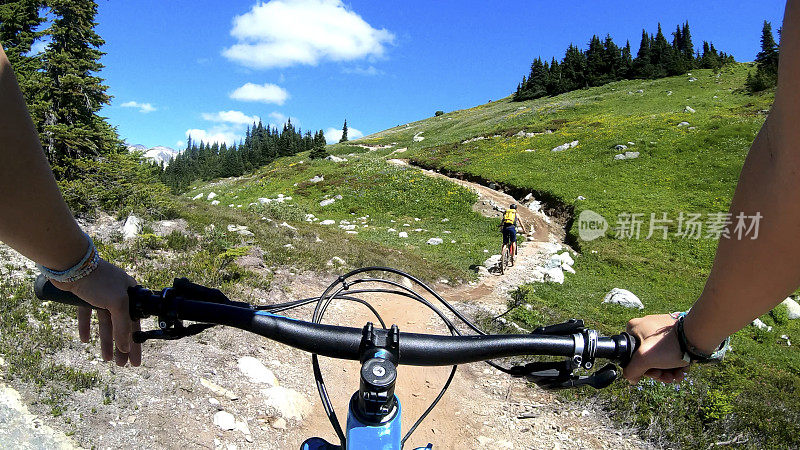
x=373 y=420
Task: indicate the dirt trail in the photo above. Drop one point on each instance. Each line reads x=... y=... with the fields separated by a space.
x=165 y=404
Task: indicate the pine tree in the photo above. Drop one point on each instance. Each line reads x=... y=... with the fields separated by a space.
x=767 y=58
x=687 y=50
x=573 y=69
x=642 y=65
x=595 y=65
x=318 y=151
x=627 y=62
x=74 y=94
x=344 y=132
x=18 y=22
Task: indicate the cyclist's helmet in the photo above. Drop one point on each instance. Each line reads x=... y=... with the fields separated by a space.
x=513 y=206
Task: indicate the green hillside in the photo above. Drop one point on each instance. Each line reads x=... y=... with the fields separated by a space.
x=680 y=169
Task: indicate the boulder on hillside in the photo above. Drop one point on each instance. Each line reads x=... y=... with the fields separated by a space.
x=198 y=196
x=286 y=403
x=132 y=227
x=565 y=146
x=166 y=227
x=623 y=297
x=792 y=307
x=435 y=241
x=620 y=147
x=211 y=195
x=626 y=155
x=683 y=124
x=761 y=325
x=688 y=109
x=335 y=158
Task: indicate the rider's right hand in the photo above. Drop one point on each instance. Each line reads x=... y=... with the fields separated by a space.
x=659 y=355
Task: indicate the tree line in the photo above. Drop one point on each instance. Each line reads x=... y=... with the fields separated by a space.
x=604 y=62
x=261 y=145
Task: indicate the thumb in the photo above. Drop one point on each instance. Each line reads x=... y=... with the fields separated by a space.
x=635 y=369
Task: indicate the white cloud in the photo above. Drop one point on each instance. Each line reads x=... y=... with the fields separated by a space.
x=332 y=135
x=216 y=134
x=231 y=117
x=142 y=107
x=229 y=127
x=358 y=70
x=283 y=33
x=265 y=93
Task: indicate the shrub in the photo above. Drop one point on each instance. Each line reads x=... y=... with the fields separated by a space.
x=716 y=405
x=439 y=113
x=780 y=315
x=119 y=184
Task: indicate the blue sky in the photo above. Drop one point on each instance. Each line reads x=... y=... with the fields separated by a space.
x=208 y=67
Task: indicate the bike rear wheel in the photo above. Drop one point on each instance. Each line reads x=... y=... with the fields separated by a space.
x=505 y=259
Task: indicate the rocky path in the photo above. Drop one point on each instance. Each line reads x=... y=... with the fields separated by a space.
x=227 y=389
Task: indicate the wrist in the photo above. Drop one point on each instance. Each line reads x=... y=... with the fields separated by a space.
x=694 y=332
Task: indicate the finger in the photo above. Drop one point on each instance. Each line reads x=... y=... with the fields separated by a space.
x=135 y=356
x=120 y=357
x=84 y=322
x=106 y=334
x=121 y=322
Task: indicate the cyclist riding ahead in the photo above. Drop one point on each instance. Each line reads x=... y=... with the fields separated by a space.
x=509 y=224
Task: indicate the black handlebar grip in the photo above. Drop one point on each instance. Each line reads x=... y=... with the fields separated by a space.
x=45 y=290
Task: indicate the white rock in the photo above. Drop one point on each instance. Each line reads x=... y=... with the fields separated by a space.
x=620 y=147
x=335 y=261
x=792 y=307
x=338 y=197
x=255 y=370
x=391 y=230
x=445 y=220
x=566 y=146
x=236 y=228
x=566 y=258
x=624 y=298
x=211 y=196
x=198 y=196
x=347 y=227
x=683 y=124
x=335 y=158
x=492 y=262
x=627 y=155
x=264 y=201
x=554 y=275
x=279 y=423
x=351 y=232
x=287 y=403
x=528 y=197
x=567 y=268
x=580 y=197
x=225 y=420
x=761 y=325
x=435 y=241
x=631 y=143
x=692 y=79
x=402 y=234
x=286 y=225
x=688 y=109
x=418 y=137
x=132 y=227
x=328 y=222
x=317 y=179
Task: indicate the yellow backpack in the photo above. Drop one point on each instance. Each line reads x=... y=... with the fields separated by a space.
x=510 y=217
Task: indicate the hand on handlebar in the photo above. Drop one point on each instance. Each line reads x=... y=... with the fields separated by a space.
x=106 y=288
x=659 y=355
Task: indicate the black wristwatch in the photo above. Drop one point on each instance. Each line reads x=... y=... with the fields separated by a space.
x=691 y=353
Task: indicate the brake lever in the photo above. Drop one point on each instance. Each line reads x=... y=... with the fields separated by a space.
x=600 y=379
x=171 y=334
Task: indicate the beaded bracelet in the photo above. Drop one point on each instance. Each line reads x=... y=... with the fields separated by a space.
x=84 y=267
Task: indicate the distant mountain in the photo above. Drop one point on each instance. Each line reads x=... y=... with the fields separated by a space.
x=156 y=154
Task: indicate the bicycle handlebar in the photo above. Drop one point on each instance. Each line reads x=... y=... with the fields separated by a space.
x=344 y=342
